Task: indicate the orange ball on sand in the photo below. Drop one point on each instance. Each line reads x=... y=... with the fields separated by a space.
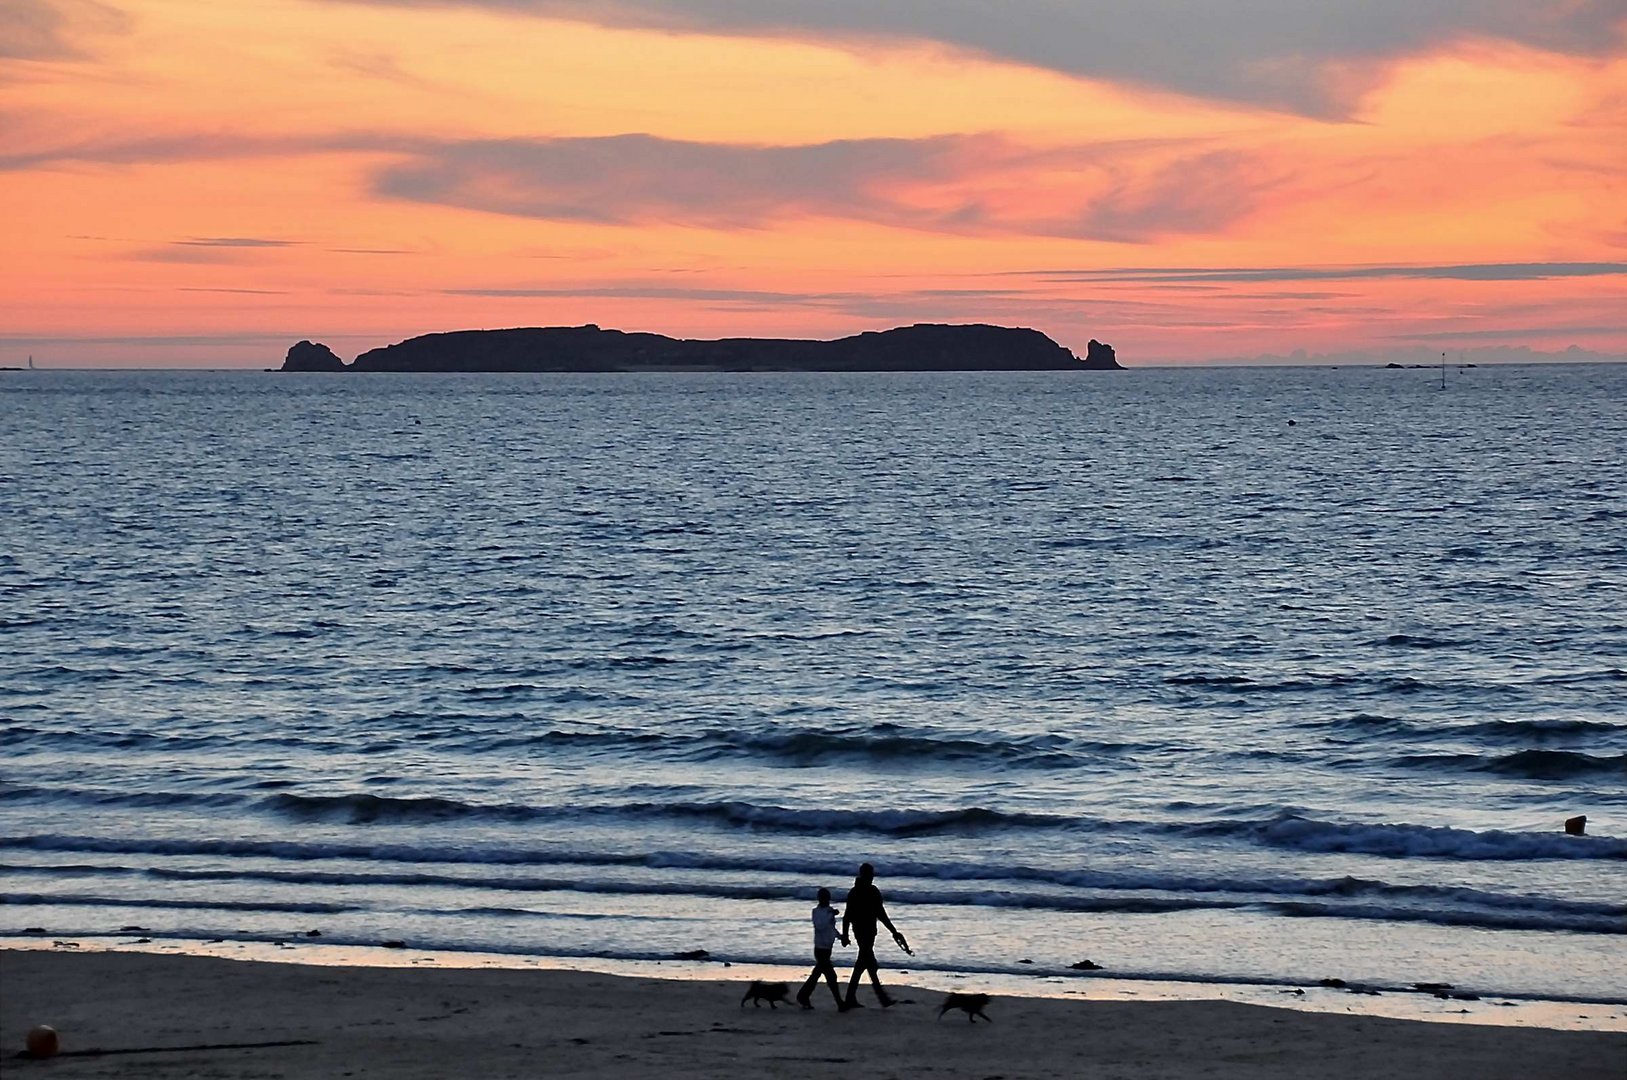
x=42 y=1042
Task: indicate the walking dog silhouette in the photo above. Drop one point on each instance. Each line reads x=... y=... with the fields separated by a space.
x=970 y=1004
x=759 y=992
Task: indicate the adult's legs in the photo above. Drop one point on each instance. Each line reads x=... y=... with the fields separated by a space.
x=875 y=982
x=864 y=961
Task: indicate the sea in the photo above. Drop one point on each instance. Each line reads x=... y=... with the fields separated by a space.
x=1221 y=676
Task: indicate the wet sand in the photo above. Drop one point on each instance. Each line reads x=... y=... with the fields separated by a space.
x=424 y=1022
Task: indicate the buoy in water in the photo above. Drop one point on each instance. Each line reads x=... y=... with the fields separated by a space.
x=42 y=1042
x=1576 y=826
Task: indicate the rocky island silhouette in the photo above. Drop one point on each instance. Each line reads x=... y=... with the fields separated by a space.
x=924 y=347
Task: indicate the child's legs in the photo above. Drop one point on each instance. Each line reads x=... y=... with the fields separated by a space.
x=822 y=965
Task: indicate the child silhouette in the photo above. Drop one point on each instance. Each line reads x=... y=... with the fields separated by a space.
x=824 y=924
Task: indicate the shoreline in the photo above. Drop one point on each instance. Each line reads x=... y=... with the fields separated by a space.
x=192 y=1015
x=1388 y=1002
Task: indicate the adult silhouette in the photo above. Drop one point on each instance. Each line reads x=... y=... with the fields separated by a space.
x=864 y=910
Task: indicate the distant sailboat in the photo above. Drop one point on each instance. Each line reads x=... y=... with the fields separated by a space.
x=30 y=361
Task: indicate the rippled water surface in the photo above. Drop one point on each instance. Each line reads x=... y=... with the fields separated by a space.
x=1218 y=674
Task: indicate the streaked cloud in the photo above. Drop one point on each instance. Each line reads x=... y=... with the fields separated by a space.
x=54 y=29
x=958 y=184
x=1129 y=191
x=202 y=256
x=33 y=149
x=1503 y=333
x=375 y=64
x=260 y=337
x=728 y=295
x=1529 y=271
x=652 y=292
x=1311 y=56
x=234 y=242
x=624 y=179
x=41 y=145
x=1203 y=193
x=240 y=292
x=208 y=249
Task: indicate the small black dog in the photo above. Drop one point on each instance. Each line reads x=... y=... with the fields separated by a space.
x=759 y=992
x=970 y=1004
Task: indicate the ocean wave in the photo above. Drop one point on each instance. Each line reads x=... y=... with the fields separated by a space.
x=1481 y=920
x=303 y=851
x=1417 y=641
x=661 y=805
x=1440 y=906
x=1223 y=682
x=620 y=661
x=368 y=808
x=809 y=635
x=813 y=746
x=773 y=876
x=86 y=900
x=1427 y=841
x=782 y=879
x=809 y=746
x=1389 y=685
x=1381 y=728
x=1558 y=764
x=890 y=822
x=136 y=800
x=1538 y=730
x=1527 y=764
x=1610 y=674
x=362 y=808
x=19 y=736
x=782 y=744
x=1363 y=726
x=1148 y=905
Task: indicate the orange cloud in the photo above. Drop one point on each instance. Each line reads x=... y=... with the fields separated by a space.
x=946 y=184
x=55 y=29
x=1315 y=56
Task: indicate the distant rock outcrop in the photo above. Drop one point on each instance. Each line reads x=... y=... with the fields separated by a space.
x=588 y=348
x=309 y=356
x=1100 y=357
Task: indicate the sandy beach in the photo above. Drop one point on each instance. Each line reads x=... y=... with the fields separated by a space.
x=416 y=1022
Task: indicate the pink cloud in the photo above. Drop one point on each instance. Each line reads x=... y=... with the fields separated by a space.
x=978 y=185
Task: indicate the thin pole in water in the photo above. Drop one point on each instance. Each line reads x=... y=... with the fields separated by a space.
x=1443 y=371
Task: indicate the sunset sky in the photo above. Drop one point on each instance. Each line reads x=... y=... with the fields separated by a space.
x=203 y=182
